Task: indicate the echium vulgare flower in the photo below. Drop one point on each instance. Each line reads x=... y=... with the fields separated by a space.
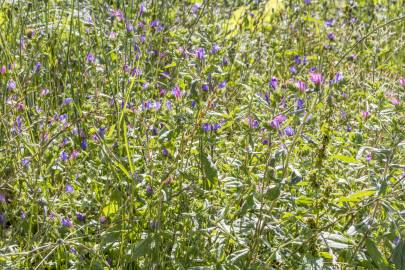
x=11 y=85
x=200 y=53
x=289 y=131
x=277 y=121
x=273 y=82
x=302 y=86
x=176 y=92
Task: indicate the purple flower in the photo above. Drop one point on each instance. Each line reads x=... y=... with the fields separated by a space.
x=2 y=219
x=215 y=126
x=136 y=72
x=18 y=123
x=206 y=127
x=205 y=87
x=90 y=58
x=222 y=85
x=297 y=59
x=38 y=66
x=307 y=2
x=103 y=219
x=83 y=144
x=195 y=7
x=265 y=142
x=331 y=36
x=142 y=9
x=3 y=70
x=253 y=123
x=329 y=23
x=154 y=23
x=63 y=156
x=289 y=131
x=316 y=78
x=200 y=53
x=293 y=69
x=302 y=86
x=365 y=114
x=149 y=190
x=25 y=162
x=67 y=101
x=277 y=121
x=117 y=13
x=23 y=214
x=165 y=152
x=273 y=82
x=215 y=49
x=300 y=104
x=129 y=27
x=80 y=217
x=2 y=198
x=11 y=85
x=73 y=250
x=267 y=97
x=63 y=117
x=101 y=131
x=74 y=154
x=168 y=105
x=338 y=77
x=176 y=92
x=368 y=157
x=312 y=69
x=69 y=188
x=66 y=222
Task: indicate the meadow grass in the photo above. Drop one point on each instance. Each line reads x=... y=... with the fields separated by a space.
x=202 y=134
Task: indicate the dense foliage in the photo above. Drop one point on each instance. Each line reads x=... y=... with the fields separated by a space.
x=222 y=134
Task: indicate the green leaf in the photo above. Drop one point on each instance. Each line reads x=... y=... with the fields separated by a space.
x=346 y=159
x=111 y=131
x=110 y=209
x=173 y=64
x=398 y=255
x=141 y=248
x=209 y=169
x=273 y=193
x=356 y=197
x=336 y=241
x=376 y=255
x=302 y=200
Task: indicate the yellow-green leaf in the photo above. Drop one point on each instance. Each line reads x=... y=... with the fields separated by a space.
x=355 y=197
x=110 y=209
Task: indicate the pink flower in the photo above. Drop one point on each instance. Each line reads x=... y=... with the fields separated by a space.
x=3 y=70
x=176 y=92
x=277 y=121
x=44 y=92
x=365 y=114
x=402 y=81
x=301 y=86
x=316 y=78
x=394 y=101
